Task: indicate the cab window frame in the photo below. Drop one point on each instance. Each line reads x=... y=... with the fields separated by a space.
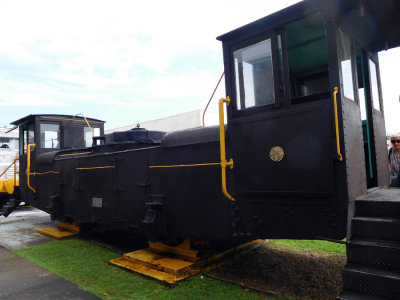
x=294 y=100
x=354 y=70
x=284 y=96
x=59 y=137
x=370 y=58
x=272 y=35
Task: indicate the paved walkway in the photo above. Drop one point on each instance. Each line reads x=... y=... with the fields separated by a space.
x=21 y=279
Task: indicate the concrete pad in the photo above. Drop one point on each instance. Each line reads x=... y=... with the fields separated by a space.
x=19 y=229
x=21 y=279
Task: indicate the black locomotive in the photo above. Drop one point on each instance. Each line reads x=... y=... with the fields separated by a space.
x=305 y=137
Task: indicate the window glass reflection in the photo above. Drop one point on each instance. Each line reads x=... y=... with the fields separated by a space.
x=374 y=85
x=344 y=53
x=254 y=75
x=49 y=136
x=87 y=133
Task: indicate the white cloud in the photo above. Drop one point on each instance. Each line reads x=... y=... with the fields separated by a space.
x=101 y=54
x=28 y=100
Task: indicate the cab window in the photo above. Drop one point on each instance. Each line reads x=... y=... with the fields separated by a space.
x=26 y=137
x=87 y=133
x=254 y=78
x=307 y=57
x=374 y=85
x=49 y=136
x=346 y=69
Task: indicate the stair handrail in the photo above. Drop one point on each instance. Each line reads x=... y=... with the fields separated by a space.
x=9 y=167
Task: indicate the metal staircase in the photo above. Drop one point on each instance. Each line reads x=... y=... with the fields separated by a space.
x=373 y=251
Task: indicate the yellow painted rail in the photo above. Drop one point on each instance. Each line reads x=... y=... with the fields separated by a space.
x=9 y=185
x=222 y=147
x=95 y=168
x=73 y=154
x=28 y=168
x=187 y=165
x=224 y=163
x=212 y=95
x=335 y=91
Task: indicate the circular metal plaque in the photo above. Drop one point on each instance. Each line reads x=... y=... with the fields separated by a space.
x=276 y=153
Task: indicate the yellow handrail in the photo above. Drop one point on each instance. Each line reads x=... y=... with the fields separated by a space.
x=9 y=167
x=69 y=119
x=28 y=170
x=15 y=171
x=224 y=163
x=95 y=168
x=185 y=165
x=44 y=173
x=212 y=95
x=335 y=91
x=72 y=154
x=90 y=127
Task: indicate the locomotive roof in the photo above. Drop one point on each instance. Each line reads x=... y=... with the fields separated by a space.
x=375 y=24
x=31 y=117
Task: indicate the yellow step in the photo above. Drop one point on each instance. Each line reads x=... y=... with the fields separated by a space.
x=152 y=272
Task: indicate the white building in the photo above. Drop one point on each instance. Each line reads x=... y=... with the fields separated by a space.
x=8 y=151
x=9 y=139
x=191 y=119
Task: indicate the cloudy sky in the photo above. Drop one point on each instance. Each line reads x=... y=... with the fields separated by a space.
x=126 y=61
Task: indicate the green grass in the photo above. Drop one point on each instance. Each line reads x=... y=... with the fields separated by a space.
x=312 y=245
x=86 y=265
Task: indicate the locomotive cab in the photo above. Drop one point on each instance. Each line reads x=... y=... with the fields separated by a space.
x=43 y=136
x=305 y=121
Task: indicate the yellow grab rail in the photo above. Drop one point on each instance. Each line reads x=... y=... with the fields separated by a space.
x=15 y=171
x=73 y=154
x=335 y=91
x=186 y=165
x=28 y=170
x=96 y=168
x=212 y=95
x=90 y=127
x=29 y=173
x=224 y=163
x=222 y=147
x=9 y=167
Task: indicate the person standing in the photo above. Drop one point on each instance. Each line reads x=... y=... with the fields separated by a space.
x=394 y=160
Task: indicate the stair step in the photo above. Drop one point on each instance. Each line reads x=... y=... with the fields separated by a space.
x=372 y=281
x=161 y=262
x=373 y=208
x=374 y=253
x=376 y=228
x=382 y=194
x=372 y=242
x=349 y=295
